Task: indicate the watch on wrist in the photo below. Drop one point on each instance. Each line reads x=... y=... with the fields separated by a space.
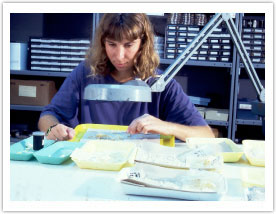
x=49 y=130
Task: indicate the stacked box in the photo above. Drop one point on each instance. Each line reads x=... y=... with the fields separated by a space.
x=217 y=48
x=244 y=110
x=57 y=54
x=199 y=19
x=213 y=113
x=220 y=46
x=32 y=92
x=216 y=114
x=253 y=37
x=18 y=56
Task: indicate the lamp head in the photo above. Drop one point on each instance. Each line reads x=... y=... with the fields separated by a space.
x=133 y=91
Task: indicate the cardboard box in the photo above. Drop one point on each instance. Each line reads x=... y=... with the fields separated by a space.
x=32 y=92
x=217 y=114
x=18 y=56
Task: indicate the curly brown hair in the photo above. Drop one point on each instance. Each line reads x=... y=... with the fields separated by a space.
x=119 y=26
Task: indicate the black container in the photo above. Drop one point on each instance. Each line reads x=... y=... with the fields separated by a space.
x=38 y=138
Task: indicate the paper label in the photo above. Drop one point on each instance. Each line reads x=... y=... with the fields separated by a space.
x=245 y=106
x=27 y=91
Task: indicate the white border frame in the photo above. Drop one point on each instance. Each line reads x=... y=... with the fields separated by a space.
x=266 y=8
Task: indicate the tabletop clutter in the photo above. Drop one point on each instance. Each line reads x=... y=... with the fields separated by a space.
x=189 y=171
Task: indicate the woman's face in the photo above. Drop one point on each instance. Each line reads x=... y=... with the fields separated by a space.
x=122 y=54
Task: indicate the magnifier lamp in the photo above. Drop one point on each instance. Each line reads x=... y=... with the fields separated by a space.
x=139 y=91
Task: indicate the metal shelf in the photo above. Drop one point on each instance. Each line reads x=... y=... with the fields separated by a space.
x=236 y=119
x=249 y=122
x=217 y=122
x=256 y=65
x=199 y=63
x=39 y=73
x=157 y=16
x=26 y=107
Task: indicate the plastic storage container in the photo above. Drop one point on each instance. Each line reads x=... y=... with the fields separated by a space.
x=254 y=151
x=230 y=151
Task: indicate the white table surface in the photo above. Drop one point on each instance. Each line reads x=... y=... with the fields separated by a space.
x=33 y=181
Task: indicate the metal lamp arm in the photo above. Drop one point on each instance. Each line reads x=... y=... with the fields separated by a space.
x=159 y=84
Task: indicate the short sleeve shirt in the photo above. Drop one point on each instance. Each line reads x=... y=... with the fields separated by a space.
x=69 y=107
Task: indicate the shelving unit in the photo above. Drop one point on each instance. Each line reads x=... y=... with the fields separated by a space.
x=238 y=122
x=26 y=108
x=39 y=73
x=228 y=71
x=200 y=63
x=226 y=68
x=23 y=27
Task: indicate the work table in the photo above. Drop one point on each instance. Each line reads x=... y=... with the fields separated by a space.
x=33 y=181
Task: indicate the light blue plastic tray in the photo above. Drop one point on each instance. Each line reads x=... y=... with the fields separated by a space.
x=23 y=150
x=57 y=153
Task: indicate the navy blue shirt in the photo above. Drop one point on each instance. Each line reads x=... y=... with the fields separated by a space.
x=69 y=107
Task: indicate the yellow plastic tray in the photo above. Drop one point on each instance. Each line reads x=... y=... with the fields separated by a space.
x=254 y=176
x=80 y=130
x=105 y=155
x=254 y=151
x=233 y=156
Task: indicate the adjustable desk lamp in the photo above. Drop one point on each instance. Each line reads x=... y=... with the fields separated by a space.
x=139 y=91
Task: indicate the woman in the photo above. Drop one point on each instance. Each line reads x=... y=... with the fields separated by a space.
x=123 y=49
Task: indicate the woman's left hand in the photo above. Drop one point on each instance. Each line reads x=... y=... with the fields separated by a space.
x=148 y=124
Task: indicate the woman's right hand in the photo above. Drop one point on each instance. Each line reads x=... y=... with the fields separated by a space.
x=61 y=132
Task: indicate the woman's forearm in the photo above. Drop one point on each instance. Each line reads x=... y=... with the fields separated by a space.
x=182 y=131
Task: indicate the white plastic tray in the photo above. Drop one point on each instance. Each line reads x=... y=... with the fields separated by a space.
x=166 y=193
x=149 y=180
